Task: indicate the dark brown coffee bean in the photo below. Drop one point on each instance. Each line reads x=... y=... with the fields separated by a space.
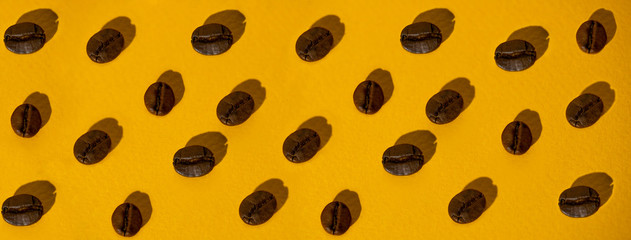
x=92 y=147
x=584 y=110
x=515 y=55
x=516 y=138
x=402 y=159
x=212 y=39
x=257 y=208
x=421 y=37
x=235 y=108
x=105 y=45
x=26 y=120
x=24 y=38
x=444 y=107
x=579 y=201
x=368 y=97
x=193 y=161
x=127 y=220
x=301 y=145
x=467 y=206
x=159 y=98
x=314 y=44
x=336 y=218
x=22 y=210
x=591 y=37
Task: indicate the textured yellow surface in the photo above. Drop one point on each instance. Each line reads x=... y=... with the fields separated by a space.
x=82 y=93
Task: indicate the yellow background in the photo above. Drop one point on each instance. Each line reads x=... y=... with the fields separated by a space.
x=82 y=92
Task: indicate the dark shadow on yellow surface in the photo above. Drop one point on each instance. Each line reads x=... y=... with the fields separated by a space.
x=232 y=19
x=43 y=190
x=442 y=18
x=45 y=18
x=464 y=87
x=255 y=89
x=111 y=127
x=277 y=188
x=320 y=125
x=142 y=201
x=175 y=81
x=124 y=26
x=599 y=181
x=422 y=139
x=351 y=200
x=42 y=103
x=532 y=119
x=535 y=35
x=604 y=91
x=606 y=18
x=214 y=141
x=486 y=187
x=384 y=79
x=334 y=25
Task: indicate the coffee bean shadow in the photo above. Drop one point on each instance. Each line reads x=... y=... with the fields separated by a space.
x=42 y=103
x=442 y=18
x=277 y=188
x=604 y=91
x=111 y=127
x=334 y=25
x=45 y=18
x=232 y=19
x=605 y=17
x=214 y=141
x=532 y=119
x=464 y=87
x=599 y=181
x=320 y=125
x=384 y=79
x=486 y=187
x=175 y=81
x=142 y=201
x=255 y=89
x=535 y=35
x=43 y=190
x=422 y=139
x=351 y=200
x=124 y=26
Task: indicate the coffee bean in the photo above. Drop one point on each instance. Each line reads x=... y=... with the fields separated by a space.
x=127 y=220
x=235 y=108
x=26 y=120
x=421 y=37
x=467 y=206
x=591 y=37
x=301 y=145
x=402 y=159
x=579 y=201
x=92 y=147
x=368 y=97
x=336 y=218
x=314 y=44
x=24 y=38
x=193 y=161
x=516 y=138
x=444 y=107
x=584 y=110
x=257 y=208
x=515 y=55
x=212 y=39
x=159 y=98
x=105 y=45
x=22 y=210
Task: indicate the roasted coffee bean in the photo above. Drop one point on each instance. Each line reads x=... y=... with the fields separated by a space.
x=22 y=210
x=516 y=138
x=212 y=39
x=159 y=98
x=26 y=120
x=301 y=145
x=193 y=161
x=579 y=201
x=421 y=37
x=24 y=38
x=336 y=218
x=368 y=97
x=515 y=55
x=591 y=37
x=402 y=159
x=314 y=44
x=127 y=220
x=92 y=147
x=444 y=107
x=257 y=208
x=467 y=206
x=235 y=108
x=105 y=45
x=584 y=110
